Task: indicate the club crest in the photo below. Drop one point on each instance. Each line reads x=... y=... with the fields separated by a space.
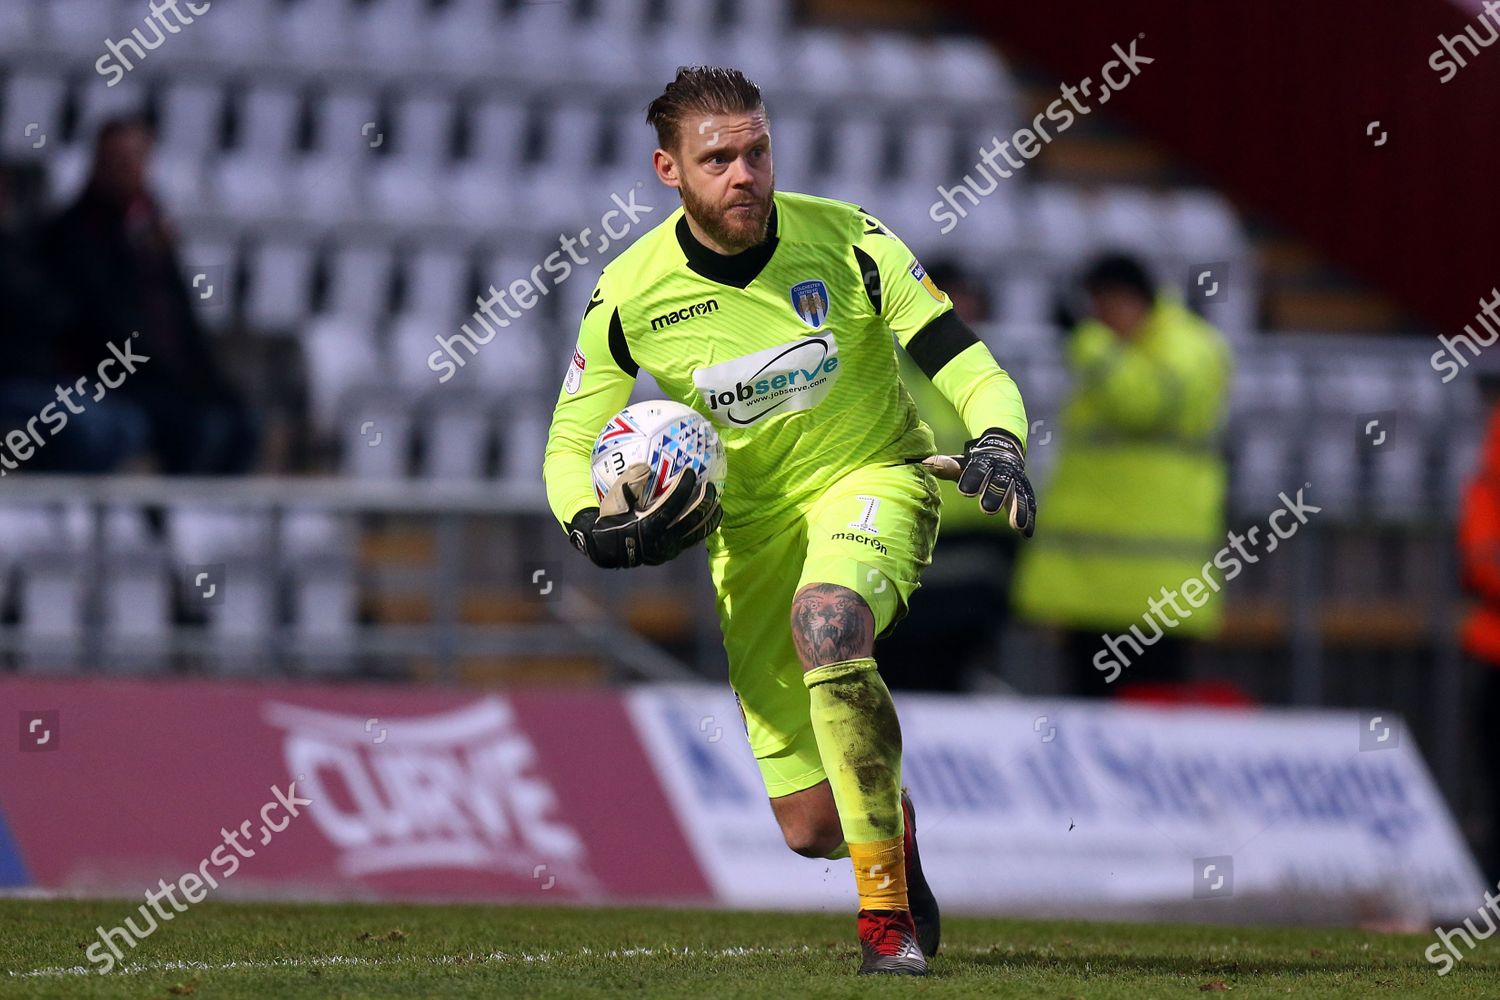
x=810 y=300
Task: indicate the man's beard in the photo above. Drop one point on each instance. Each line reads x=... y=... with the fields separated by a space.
x=734 y=232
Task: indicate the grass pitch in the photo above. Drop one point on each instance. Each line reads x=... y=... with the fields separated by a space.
x=233 y=950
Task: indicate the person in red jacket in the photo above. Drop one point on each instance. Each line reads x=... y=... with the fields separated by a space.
x=1479 y=554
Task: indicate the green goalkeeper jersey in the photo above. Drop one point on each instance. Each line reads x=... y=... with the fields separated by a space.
x=786 y=347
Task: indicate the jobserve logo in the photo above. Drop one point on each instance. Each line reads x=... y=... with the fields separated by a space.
x=781 y=379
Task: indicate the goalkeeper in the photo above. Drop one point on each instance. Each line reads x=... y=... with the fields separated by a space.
x=773 y=315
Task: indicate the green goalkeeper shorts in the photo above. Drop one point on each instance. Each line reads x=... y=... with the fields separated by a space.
x=872 y=532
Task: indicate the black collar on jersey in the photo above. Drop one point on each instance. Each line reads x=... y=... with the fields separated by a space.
x=736 y=270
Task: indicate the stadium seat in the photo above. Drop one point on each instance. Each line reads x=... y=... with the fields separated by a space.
x=1059 y=224
x=376 y=435
x=242 y=33
x=318 y=32
x=1264 y=461
x=822 y=62
x=280 y=286
x=215 y=256
x=766 y=21
x=858 y=146
x=929 y=151
x=481 y=196
x=96 y=103
x=203 y=534
x=572 y=144
x=498 y=132
x=412 y=342
x=465 y=36
x=763 y=63
x=888 y=66
x=795 y=135
x=360 y=275
x=24 y=530
x=523 y=441
x=250 y=186
x=348 y=118
x=1401 y=483
x=421 y=127
x=68 y=168
x=50 y=599
x=191 y=111
x=341 y=356
x=967 y=69
x=1202 y=224
x=269 y=111
x=544 y=36
x=456 y=440
x=323 y=575
x=392 y=34
x=137 y=612
x=325 y=611
x=402 y=193
x=437 y=282
x=330 y=188
x=239 y=626
x=1131 y=219
x=33 y=104
x=20 y=26
x=79 y=27
x=181 y=184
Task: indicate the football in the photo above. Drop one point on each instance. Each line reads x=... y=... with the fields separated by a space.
x=666 y=437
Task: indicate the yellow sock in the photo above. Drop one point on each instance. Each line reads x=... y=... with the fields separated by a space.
x=859 y=741
x=880 y=874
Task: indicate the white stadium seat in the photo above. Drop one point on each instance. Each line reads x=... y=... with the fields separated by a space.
x=348 y=119
x=20 y=26
x=341 y=356
x=280 y=286
x=392 y=33
x=80 y=27
x=317 y=31
x=191 y=113
x=33 y=104
x=822 y=62
x=244 y=32
x=967 y=69
x=437 y=282
x=359 y=279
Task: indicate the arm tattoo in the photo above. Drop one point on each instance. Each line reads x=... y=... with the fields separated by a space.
x=831 y=623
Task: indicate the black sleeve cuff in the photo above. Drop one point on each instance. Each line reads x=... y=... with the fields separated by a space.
x=939 y=342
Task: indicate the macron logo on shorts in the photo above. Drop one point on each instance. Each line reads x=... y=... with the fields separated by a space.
x=781 y=379
x=850 y=536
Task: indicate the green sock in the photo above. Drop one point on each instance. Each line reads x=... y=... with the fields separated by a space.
x=859 y=739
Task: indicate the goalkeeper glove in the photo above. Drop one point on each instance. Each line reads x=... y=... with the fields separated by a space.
x=618 y=534
x=994 y=469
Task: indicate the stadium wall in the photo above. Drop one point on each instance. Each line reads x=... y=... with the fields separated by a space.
x=1335 y=125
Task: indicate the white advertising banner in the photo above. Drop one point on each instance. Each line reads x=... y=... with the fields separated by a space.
x=1047 y=807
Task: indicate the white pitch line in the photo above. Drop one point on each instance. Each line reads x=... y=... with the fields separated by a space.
x=136 y=968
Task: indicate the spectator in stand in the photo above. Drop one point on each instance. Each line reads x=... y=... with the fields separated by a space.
x=1479 y=555
x=115 y=256
x=1136 y=503
x=962 y=605
x=33 y=316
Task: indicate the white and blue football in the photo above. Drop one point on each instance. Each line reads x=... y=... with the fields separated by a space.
x=665 y=436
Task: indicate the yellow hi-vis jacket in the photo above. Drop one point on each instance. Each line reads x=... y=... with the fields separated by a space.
x=1136 y=502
